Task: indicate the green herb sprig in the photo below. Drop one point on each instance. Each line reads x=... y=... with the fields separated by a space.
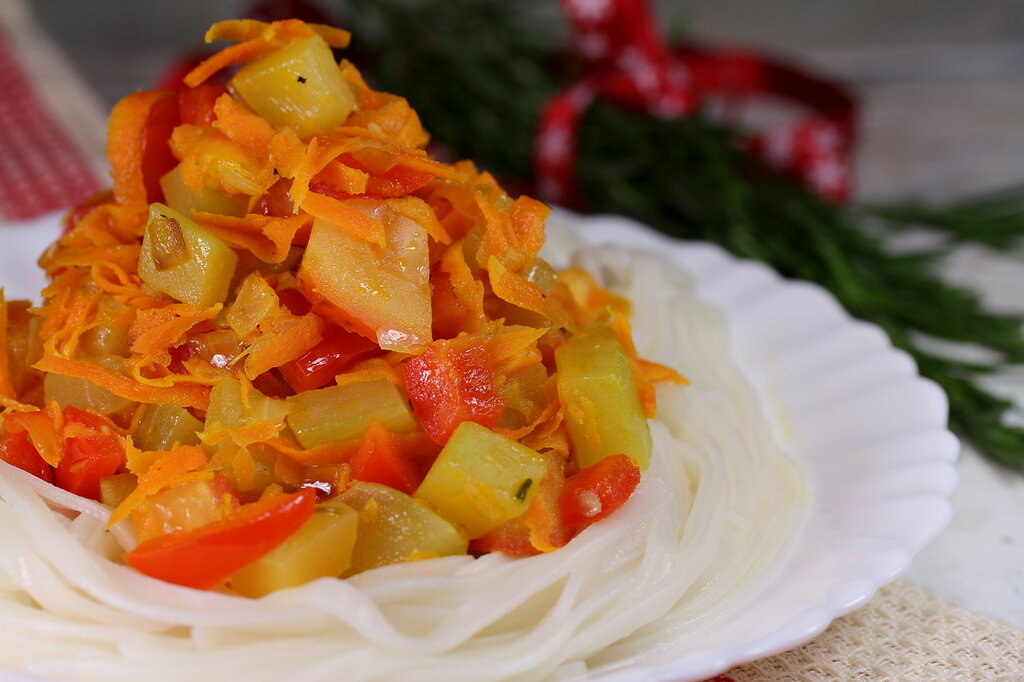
x=478 y=72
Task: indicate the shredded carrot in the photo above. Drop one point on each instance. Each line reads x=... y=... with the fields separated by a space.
x=126 y=144
x=229 y=56
x=267 y=237
x=341 y=213
x=241 y=125
x=282 y=340
x=167 y=470
x=6 y=387
x=156 y=330
x=510 y=287
x=125 y=387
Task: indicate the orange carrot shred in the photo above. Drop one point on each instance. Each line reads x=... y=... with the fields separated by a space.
x=229 y=56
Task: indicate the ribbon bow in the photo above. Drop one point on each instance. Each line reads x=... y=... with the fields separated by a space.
x=627 y=62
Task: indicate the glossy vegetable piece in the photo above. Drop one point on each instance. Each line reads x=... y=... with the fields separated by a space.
x=452 y=382
x=321 y=548
x=599 y=394
x=114 y=489
x=339 y=413
x=185 y=200
x=137 y=144
x=184 y=260
x=381 y=458
x=382 y=293
x=207 y=556
x=161 y=426
x=299 y=86
x=384 y=176
x=232 y=408
x=16 y=449
x=335 y=353
x=89 y=458
x=81 y=393
x=183 y=507
x=254 y=302
x=593 y=493
x=394 y=528
x=195 y=105
x=481 y=480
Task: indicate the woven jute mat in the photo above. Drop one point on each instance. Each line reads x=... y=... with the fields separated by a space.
x=904 y=633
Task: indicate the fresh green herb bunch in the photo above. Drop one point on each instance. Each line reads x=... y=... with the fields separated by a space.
x=479 y=71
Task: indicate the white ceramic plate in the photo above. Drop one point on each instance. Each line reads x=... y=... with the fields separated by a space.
x=870 y=432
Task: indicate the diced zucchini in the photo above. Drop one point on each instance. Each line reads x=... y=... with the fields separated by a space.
x=394 y=528
x=184 y=199
x=481 y=479
x=84 y=394
x=183 y=507
x=321 y=547
x=184 y=260
x=299 y=86
x=599 y=394
x=164 y=425
x=113 y=489
x=230 y=409
x=338 y=413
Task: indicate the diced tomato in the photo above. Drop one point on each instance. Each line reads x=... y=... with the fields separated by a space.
x=88 y=458
x=295 y=302
x=205 y=557
x=381 y=459
x=450 y=383
x=596 y=491
x=385 y=178
x=157 y=158
x=333 y=355
x=16 y=449
x=195 y=105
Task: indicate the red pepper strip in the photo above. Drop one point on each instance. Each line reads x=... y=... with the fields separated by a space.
x=335 y=353
x=206 y=557
x=195 y=105
x=450 y=383
x=16 y=449
x=382 y=459
x=593 y=493
x=137 y=145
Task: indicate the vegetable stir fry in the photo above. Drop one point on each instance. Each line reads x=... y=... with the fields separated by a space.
x=291 y=344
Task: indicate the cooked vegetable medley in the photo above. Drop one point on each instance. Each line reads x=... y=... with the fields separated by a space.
x=291 y=344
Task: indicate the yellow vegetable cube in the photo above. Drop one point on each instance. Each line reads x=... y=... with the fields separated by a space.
x=344 y=412
x=394 y=528
x=81 y=393
x=184 y=199
x=233 y=408
x=299 y=86
x=184 y=260
x=321 y=548
x=600 y=397
x=113 y=489
x=255 y=300
x=481 y=480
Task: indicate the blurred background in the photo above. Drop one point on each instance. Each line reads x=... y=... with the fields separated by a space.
x=940 y=85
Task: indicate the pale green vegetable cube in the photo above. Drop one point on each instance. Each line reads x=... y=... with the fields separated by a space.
x=299 y=86
x=338 y=413
x=320 y=548
x=231 y=409
x=163 y=426
x=481 y=479
x=185 y=200
x=183 y=260
x=599 y=394
x=70 y=391
x=394 y=528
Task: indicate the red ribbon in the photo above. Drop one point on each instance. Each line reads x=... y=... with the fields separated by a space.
x=627 y=62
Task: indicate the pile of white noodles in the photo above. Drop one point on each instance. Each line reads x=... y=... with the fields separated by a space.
x=708 y=526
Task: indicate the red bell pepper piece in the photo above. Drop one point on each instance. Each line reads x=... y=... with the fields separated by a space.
x=16 y=449
x=593 y=493
x=276 y=201
x=335 y=353
x=384 y=179
x=157 y=158
x=40 y=428
x=195 y=105
x=296 y=302
x=450 y=383
x=381 y=458
x=89 y=457
x=206 y=557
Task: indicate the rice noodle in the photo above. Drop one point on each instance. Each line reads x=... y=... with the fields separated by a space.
x=710 y=523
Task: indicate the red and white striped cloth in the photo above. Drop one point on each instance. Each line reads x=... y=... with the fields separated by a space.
x=52 y=129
